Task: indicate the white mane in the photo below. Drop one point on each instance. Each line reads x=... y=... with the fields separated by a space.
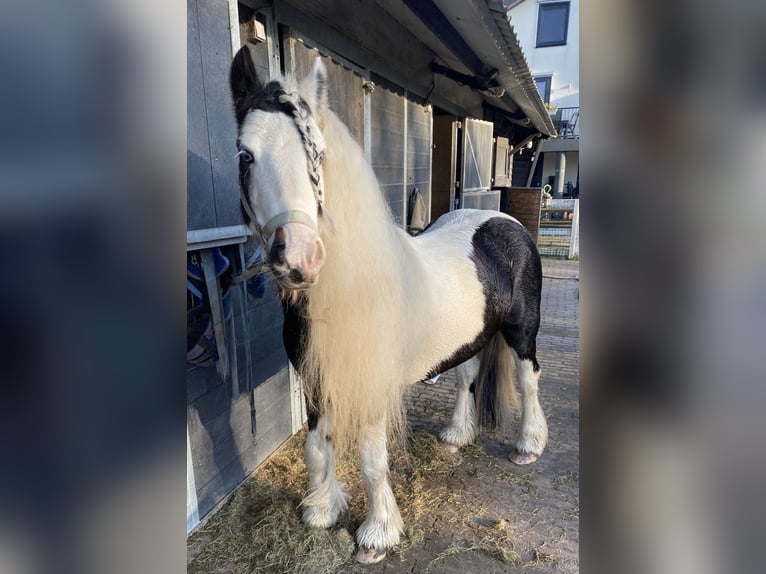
x=359 y=307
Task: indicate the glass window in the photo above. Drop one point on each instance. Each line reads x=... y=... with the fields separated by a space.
x=544 y=87
x=552 y=24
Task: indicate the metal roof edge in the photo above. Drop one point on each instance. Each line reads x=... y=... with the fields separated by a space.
x=493 y=14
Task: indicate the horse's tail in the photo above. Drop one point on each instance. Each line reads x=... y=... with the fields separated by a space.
x=497 y=399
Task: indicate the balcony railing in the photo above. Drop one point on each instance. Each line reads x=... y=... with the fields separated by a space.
x=566 y=121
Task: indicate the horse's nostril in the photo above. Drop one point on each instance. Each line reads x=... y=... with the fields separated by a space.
x=296 y=276
x=277 y=251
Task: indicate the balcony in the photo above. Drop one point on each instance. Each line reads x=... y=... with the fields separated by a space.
x=566 y=122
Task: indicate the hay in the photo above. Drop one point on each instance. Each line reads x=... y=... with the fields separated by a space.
x=495 y=541
x=540 y=557
x=561 y=481
x=259 y=529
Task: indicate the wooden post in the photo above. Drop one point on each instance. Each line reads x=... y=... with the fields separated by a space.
x=216 y=311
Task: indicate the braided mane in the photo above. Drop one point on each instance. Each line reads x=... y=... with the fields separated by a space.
x=293 y=104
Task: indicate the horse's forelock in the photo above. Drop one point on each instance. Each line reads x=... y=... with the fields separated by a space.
x=267 y=99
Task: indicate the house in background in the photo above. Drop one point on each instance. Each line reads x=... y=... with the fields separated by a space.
x=549 y=35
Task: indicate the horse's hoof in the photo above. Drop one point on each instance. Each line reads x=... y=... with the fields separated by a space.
x=450 y=448
x=522 y=457
x=369 y=555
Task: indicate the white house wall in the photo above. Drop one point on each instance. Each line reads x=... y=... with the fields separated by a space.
x=560 y=62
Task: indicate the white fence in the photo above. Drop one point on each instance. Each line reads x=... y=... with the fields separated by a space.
x=559 y=234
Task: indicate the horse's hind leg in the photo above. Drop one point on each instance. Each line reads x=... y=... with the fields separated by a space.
x=533 y=435
x=325 y=500
x=383 y=526
x=462 y=428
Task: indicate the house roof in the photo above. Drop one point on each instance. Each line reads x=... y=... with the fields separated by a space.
x=484 y=42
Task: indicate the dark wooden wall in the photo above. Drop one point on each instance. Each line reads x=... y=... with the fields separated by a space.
x=399 y=124
x=444 y=153
x=344 y=87
x=213 y=196
x=233 y=425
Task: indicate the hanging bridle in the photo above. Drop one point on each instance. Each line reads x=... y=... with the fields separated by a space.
x=292 y=104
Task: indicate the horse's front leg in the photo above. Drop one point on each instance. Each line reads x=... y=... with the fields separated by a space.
x=383 y=526
x=325 y=499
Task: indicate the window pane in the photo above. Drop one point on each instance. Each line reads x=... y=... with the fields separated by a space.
x=552 y=24
x=544 y=87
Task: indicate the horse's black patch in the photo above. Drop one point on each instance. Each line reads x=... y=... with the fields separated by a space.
x=508 y=266
x=295 y=330
x=244 y=186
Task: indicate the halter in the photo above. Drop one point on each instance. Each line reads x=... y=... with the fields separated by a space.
x=292 y=105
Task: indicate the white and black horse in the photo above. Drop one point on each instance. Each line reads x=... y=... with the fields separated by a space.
x=370 y=309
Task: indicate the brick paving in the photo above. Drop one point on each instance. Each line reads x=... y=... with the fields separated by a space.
x=558 y=345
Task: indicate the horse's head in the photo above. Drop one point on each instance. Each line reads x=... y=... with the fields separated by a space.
x=280 y=167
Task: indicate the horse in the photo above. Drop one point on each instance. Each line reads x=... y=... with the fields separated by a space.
x=369 y=309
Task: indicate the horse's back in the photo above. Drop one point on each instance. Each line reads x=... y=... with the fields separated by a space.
x=483 y=271
x=467 y=218
x=505 y=257
x=494 y=232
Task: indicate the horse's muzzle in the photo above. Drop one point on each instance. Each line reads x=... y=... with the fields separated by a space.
x=292 y=279
x=295 y=266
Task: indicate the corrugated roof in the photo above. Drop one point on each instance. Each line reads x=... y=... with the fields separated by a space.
x=485 y=27
x=401 y=40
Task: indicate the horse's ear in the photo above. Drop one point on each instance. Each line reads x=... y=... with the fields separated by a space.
x=244 y=82
x=314 y=87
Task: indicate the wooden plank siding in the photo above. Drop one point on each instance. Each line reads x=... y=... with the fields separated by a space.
x=387 y=125
x=419 y=150
x=200 y=203
x=399 y=126
x=213 y=196
x=223 y=446
x=345 y=91
x=227 y=437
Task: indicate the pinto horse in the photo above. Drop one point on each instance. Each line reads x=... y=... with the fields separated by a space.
x=368 y=308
